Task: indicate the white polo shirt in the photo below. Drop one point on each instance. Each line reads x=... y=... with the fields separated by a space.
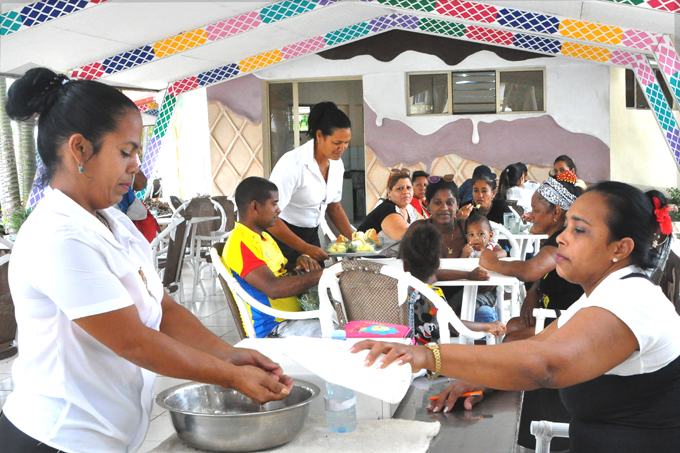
x=303 y=193
x=72 y=392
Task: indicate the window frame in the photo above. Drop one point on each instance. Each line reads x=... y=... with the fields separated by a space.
x=450 y=91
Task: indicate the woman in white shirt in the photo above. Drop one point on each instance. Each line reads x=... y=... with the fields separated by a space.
x=511 y=187
x=95 y=325
x=309 y=179
x=615 y=353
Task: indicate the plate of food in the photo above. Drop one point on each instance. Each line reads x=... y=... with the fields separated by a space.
x=361 y=244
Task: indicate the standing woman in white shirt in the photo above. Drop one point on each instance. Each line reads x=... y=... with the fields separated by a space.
x=309 y=179
x=95 y=325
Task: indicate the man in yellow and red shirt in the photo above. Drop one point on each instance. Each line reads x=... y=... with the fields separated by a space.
x=255 y=260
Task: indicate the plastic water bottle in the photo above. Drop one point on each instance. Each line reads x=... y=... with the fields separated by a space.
x=341 y=411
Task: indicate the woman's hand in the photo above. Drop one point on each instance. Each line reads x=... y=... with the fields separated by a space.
x=418 y=357
x=450 y=394
x=467 y=251
x=496 y=328
x=526 y=313
x=306 y=263
x=488 y=259
x=259 y=385
x=464 y=211
x=315 y=253
x=478 y=274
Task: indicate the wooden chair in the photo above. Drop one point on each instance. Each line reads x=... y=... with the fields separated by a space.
x=233 y=308
x=8 y=323
x=368 y=291
x=243 y=300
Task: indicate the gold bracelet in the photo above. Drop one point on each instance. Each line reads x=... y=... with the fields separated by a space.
x=434 y=347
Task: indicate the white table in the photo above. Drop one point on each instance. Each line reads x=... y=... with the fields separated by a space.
x=524 y=239
x=470 y=287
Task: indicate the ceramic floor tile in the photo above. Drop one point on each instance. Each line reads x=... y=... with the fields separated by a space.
x=160 y=429
x=214 y=320
x=156 y=410
x=163 y=382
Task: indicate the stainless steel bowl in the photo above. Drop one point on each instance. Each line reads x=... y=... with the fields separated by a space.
x=213 y=418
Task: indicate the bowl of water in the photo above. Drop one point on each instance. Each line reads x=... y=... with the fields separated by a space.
x=213 y=418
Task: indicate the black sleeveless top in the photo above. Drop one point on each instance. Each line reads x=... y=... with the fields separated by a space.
x=622 y=414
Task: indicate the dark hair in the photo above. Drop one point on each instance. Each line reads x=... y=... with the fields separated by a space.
x=524 y=168
x=395 y=177
x=509 y=178
x=435 y=187
x=419 y=174
x=253 y=188
x=327 y=117
x=491 y=181
x=65 y=107
x=567 y=160
x=476 y=218
x=420 y=248
x=631 y=215
x=482 y=170
x=571 y=188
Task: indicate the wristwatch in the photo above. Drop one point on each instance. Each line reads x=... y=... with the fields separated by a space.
x=434 y=347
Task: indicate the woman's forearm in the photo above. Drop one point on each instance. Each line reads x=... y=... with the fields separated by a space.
x=339 y=219
x=283 y=233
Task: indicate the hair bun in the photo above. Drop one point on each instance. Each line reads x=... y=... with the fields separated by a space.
x=36 y=92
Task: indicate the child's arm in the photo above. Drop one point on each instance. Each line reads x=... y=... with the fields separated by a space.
x=467 y=251
x=497 y=328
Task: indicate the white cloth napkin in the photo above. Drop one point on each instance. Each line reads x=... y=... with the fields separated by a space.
x=332 y=361
x=394 y=436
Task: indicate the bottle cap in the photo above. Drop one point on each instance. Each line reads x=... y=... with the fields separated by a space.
x=339 y=335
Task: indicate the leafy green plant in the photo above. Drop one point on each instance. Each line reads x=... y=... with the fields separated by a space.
x=674 y=194
x=16 y=218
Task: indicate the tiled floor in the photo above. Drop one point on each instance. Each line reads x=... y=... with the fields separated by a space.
x=213 y=312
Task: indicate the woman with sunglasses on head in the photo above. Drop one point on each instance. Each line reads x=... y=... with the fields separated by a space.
x=614 y=354
x=392 y=217
x=420 y=182
x=94 y=323
x=310 y=179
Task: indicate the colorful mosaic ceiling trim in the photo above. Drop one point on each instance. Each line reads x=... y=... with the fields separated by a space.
x=40 y=12
x=556 y=26
x=198 y=37
x=657 y=101
x=672 y=6
x=523 y=21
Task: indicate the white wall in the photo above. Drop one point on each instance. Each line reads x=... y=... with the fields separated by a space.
x=639 y=153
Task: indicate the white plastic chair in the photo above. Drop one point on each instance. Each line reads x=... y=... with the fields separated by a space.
x=445 y=315
x=500 y=232
x=243 y=299
x=544 y=431
x=541 y=314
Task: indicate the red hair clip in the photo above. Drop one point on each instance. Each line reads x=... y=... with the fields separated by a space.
x=662 y=217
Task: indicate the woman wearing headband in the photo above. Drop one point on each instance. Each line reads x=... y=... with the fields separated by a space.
x=392 y=217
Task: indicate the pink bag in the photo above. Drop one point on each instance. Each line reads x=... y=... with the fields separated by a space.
x=373 y=329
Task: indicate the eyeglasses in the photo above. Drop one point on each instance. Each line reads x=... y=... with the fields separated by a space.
x=435 y=179
x=400 y=170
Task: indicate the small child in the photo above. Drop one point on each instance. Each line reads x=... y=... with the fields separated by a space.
x=480 y=236
x=420 y=250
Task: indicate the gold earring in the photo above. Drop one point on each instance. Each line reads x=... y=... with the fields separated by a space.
x=614 y=260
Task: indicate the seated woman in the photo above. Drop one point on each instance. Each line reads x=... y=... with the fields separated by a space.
x=511 y=187
x=394 y=215
x=614 y=354
x=420 y=182
x=550 y=204
x=442 y=200
x=420 y=251
x=564 y=163
x=484 y=190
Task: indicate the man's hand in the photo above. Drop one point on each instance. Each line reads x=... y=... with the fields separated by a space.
x=478 y=274
x=306 y=263
x=487 y=259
